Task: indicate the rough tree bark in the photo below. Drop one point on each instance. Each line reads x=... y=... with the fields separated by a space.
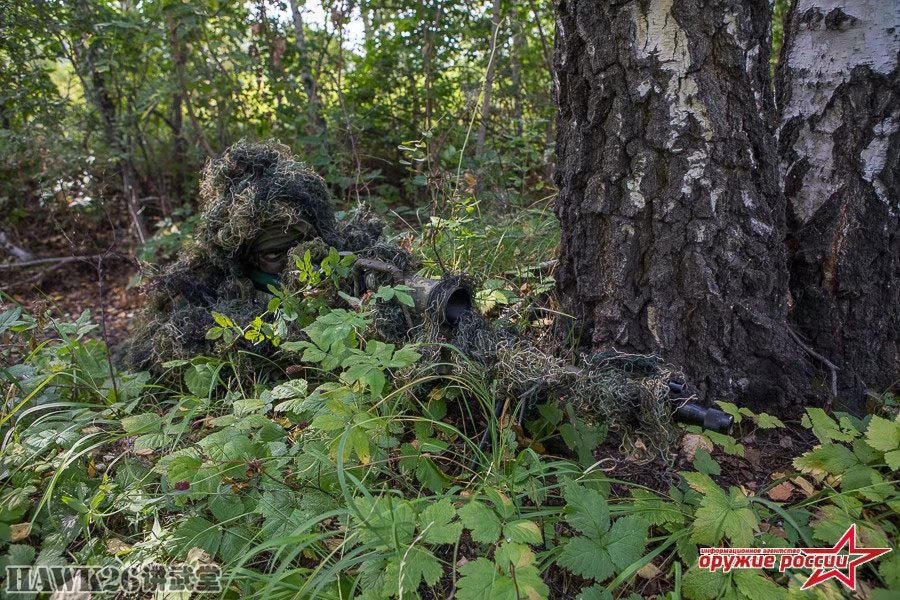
x=671 y=214
x=839 y=99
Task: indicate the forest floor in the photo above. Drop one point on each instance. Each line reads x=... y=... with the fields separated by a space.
x=69 y=287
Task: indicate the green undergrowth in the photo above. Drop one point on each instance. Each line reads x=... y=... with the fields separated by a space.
x=326 y=470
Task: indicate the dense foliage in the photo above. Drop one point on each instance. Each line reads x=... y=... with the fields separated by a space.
x=327 y=472
x=107 y=100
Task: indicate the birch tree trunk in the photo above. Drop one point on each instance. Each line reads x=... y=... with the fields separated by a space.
x=839 y=143
x=672 y=218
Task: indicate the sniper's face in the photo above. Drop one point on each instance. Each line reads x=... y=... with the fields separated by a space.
x=269 y=252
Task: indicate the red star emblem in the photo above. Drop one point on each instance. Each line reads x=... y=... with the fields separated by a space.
x=849 y=578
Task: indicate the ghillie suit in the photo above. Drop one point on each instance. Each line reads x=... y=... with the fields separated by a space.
x=637 y=397
x=262 y=209
x=257 y=202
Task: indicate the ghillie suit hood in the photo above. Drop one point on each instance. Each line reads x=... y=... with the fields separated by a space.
x=253 y=192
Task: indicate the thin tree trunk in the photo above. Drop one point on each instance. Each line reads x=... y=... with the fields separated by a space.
x=671 y=214
x=838 y=87
x=306 y=77
x=100 y=95
x=179 y=61
x=488 y=80
x=516 y=75
x=368 y=26
x=179 y=151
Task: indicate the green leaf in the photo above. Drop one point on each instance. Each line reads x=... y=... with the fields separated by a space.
x=408 y=568
x=586 y=510
x=477 y=578
x=522 y=531
x=721 y=516
x=767 y=421
x=654 y=509
x=199 y=379
x=222 y=320
x=586 y=557
x=142 y=423
x=186 y=465
x=435 y=523
x=884 y=435
x=226 y=506
x=731 y=409
x=512 y=555
x=600 y=557
x=705 y=463
x=358 y=441
x=582 y=437
x=594 y=592
x=386 y=521
x=829 y=458
x=150 y=441
x=481 y=521
x=293 y=393
x=827 y=429
x=702 y=585
x=197 y=532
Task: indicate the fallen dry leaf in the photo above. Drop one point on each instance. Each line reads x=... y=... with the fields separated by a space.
x=19 y=531
x=752 y=456
x=691 y=442
x=804 y=485
x=198 y=555
x=781 y=492
x=649 y=571
x=115 y=545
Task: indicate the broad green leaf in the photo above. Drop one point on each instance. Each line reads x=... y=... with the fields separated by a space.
x=226 y=506
x=142 y=423
x=409 y=568
x=197 y=532
x=884 y=435
x=828 y=458
x=435 y=523
x=477 y=578
x=594 y=592
x=386 y=521
x=522 y=531
x=199 y=379
x=599 y=558
x=586 y=557
x=721 y=516
x=825 y=428
x=481 y=521
x=654 y=509
x=702 y=585
x=586 y=510
x=705 y=463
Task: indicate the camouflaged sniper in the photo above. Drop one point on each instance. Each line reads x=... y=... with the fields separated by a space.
x=261 y=208
x=257 y=202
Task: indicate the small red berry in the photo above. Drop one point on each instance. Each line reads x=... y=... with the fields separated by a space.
x=182 y=486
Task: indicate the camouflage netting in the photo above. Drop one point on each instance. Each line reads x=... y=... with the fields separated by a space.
x=252 y=190
x=259 y=194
